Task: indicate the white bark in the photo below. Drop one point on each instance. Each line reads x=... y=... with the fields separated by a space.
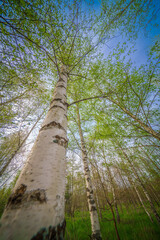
x=37 y=203
x=139 y=196
x=96 y=234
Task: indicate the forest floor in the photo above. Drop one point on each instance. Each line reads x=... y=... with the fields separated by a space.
x=134 y=225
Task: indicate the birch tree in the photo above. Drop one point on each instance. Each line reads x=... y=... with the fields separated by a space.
x=96 y=234
x=51 y=35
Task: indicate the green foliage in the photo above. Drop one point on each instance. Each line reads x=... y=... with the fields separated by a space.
x=78 y=227
x=5 y=192
x=134 y=226
x=9 y=145
x=37 y=38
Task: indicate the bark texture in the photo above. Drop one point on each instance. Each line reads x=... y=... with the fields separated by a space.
x=35 y=209
x=108 y=202
x=94 y=182
x=96 y=234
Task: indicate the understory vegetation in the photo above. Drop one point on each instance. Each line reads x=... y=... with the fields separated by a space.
x=79 y=82
x=134 y=226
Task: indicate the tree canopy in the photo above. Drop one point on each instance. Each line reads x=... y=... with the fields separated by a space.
x=117 y=98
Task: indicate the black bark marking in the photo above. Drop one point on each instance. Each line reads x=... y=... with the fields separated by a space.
x=37 y=195
x=91 y=201
x=89 y=197
x=61 y=86
x=87 y=189
x=61 y=80
x=66 y=74
x=60 y=100
x=65 y=103
x=55 y=99
x=93 y=208
x=91 y=192
x=52 y=124
x=17 y=196
x=21 y=196
x=51 y=233
x=21 y=189
x=96 y=236
x=86 y=169
x=56 y=106
x=60 y=140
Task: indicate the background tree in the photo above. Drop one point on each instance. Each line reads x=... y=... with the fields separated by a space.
x=64 y=43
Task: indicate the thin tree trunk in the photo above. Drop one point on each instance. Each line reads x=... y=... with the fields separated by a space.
x=98 y=206
x=142 y=124
x=35 y=210
x=154 y=194
x=141 y=184
x=113 y=192
x=126 y=189
x=19 y=147
x=96 y=234
x=150 y=159
x=94 y=181
x=110 y=205
x=140 y=199
x=150 y=188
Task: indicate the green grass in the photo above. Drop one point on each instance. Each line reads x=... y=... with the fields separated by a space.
x=134 y=225
x=78 y=227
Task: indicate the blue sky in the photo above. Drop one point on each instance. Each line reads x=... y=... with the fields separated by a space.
x=146 y=36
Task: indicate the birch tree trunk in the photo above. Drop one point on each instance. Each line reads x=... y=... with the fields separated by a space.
x=131 y=200
x=112 y=183
x=94 y=181
x=113 y=192
x=140 y=199
x=107 y=200
x=98 y=206
x=35 y=210
x=96 y=234
x=142 y=185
